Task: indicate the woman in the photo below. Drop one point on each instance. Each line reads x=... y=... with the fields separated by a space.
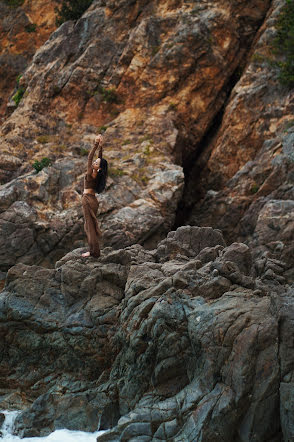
x=94 y=181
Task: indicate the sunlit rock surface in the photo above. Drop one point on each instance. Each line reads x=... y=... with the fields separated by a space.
x=23 y=29
x=154 y=75
x=246 y=186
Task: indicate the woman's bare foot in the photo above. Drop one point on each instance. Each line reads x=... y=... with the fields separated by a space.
x=85 y=255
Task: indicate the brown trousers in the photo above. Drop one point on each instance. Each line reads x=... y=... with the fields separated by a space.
x=90 y=207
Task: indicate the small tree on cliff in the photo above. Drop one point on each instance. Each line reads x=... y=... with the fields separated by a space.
x=71 y=10
x=284 y=44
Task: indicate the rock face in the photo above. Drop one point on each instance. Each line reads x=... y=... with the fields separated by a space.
x=180 y=338
x=41 y=216
x=154 y=75
x=245 y=187
x=23 y=29
x=188 y=341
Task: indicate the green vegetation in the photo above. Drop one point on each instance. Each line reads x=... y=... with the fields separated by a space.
x=83 y=152
x=102 y=129
x=18 y=95
x=58 y=148
x=39 y=165
x=169 y=45
x=71 y=10
x=114 y=113
x=32 y=27
x=55 y=90
x=146 y=138
x=259 y=58
x=18 y=79
x=20 y=91
x=172 y=107
x=147 y=150
x=254 y=188
x=109 y=95
x=155 y=49
x=289 y=125
x=14 y=3
x=141 y=177
x=44 y=139
x=125 y=142
x=114 y=172
x=283 y=44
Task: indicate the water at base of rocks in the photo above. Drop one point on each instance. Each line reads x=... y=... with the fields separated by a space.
x=57 y=436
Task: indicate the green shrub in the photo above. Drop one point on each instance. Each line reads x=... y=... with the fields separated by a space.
x=39 y=165
x=172 y=107
x=288 y=125
x=125 y=142
x=146 y=138
x=140 y=177
x=18 y=95
x=147 y=150
x=31 y=27
x=109 y=95
x=71 y=10
x=18 y=79
x=254 y=188
x=102 y=129
x=14 y=3
x=114 y=172
x=283 y=44
x=44 y=139
x=155 y=49
x=83 y=152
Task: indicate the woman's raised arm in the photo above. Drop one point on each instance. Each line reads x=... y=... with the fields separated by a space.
x=90 y=159
x=97 y=142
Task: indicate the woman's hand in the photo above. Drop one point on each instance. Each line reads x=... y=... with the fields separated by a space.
x=98 y=140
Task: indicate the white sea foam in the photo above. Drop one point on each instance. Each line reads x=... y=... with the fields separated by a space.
x=56 y=436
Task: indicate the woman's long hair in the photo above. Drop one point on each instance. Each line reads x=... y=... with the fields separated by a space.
x=101 y=177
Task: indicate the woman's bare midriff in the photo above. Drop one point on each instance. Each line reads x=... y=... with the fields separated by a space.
x=91 y=191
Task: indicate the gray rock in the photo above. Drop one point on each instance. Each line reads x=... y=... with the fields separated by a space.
x=32 y=233
x=149 y=344
x=188 y=242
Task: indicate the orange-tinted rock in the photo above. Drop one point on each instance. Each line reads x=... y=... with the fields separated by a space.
x=23 y=30
x=250 y=167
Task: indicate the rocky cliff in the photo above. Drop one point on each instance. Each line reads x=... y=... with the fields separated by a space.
x=178 y=338
x=189 y=341
x=24 y=27
x=155 y=76
x=245 y=177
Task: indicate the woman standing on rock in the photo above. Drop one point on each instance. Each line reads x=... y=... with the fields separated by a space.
x=94 y=182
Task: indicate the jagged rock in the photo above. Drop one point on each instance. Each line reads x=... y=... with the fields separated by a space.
x=24 y=28
x=147 y=87
x=155 y=344
x=41 y=215
x=191 y=340
x=188 y=242
x=245 y=183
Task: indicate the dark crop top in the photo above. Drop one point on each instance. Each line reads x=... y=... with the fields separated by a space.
x=89 y=181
